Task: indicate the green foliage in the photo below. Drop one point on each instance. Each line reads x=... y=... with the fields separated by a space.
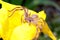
x=16 y=2
x=31 y=4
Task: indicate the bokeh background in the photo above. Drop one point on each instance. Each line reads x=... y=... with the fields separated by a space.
x=52 y=9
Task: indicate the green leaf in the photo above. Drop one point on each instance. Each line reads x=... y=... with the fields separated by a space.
x=16 y=2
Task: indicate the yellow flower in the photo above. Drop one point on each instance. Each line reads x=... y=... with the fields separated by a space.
x=25 y=32
x=13 y=25
x=3 y=19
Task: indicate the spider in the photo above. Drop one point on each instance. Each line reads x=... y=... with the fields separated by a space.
x=30 y=19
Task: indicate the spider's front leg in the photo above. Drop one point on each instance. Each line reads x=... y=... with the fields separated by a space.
x=13 y=10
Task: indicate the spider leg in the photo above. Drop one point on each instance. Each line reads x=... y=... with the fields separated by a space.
x=13 y=10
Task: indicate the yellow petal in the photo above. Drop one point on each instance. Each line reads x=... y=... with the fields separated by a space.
x=42 y=15
x=3 y=19
x=0 y=0
x=46 y=30
x=24 y=32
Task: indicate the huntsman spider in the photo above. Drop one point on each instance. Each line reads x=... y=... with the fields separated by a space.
x=31 y=19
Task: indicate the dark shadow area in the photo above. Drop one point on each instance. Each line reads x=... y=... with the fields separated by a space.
x=1 y=38
x=0 y=6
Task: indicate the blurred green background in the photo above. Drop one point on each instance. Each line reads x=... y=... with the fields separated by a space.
x=52 y=9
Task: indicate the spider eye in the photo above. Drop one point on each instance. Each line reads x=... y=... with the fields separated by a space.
x=0 y=5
